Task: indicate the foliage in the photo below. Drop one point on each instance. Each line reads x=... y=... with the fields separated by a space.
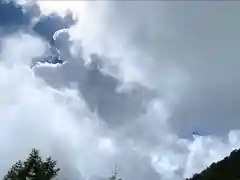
x=226 y=169
x=33 y=168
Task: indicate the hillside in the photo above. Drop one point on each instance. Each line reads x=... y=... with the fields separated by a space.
x=226 y=169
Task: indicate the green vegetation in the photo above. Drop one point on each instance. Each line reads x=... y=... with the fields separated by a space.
x=34 y=168
x=226 y=169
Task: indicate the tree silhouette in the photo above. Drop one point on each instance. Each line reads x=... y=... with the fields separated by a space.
x=33 y=168
x=114 y=175
x=226 y=169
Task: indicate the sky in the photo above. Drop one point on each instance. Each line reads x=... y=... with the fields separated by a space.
x=151 y=87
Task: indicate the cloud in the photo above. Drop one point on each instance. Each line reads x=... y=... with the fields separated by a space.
x=137 y=79
x=180 y=53
x=36 y=115
x=58 y=122
x=185 y=52
x=21 y=54
x=48 y=25
x=12 y=15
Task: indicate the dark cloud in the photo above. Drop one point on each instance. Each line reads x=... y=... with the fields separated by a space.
x=15 y=17
x=99 y=90
x=48 y=25
x=12 y=15
x=198 y=38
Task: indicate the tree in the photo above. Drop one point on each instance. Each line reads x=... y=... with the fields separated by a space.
x=114 y=175
x=33 y=168
x=226 y=169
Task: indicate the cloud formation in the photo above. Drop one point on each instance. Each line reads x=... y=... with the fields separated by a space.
x=126 y=85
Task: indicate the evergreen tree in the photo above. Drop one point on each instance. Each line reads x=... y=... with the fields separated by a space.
x=33 y=168
x=226 y=169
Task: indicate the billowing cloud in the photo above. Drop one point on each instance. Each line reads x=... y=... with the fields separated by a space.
x=185 y=50
x=121 y=83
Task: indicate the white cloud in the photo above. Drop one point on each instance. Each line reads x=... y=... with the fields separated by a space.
x=171 y=48
x=34 y=115
x=153 y=44
x=21 y=54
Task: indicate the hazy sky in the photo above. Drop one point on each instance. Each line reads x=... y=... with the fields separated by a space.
x=120 y=82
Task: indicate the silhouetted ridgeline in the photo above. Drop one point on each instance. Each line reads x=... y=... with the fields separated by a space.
x=226 y=169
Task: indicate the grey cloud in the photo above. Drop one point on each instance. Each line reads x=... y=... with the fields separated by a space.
x=12 y=15
x=188 y=50
x=98 y=90
x=15 y=17
x=48 y=25
x=177 y=73
x=194 y=45
x=199 y=38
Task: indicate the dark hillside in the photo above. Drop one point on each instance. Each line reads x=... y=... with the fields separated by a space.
x=226 y=169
